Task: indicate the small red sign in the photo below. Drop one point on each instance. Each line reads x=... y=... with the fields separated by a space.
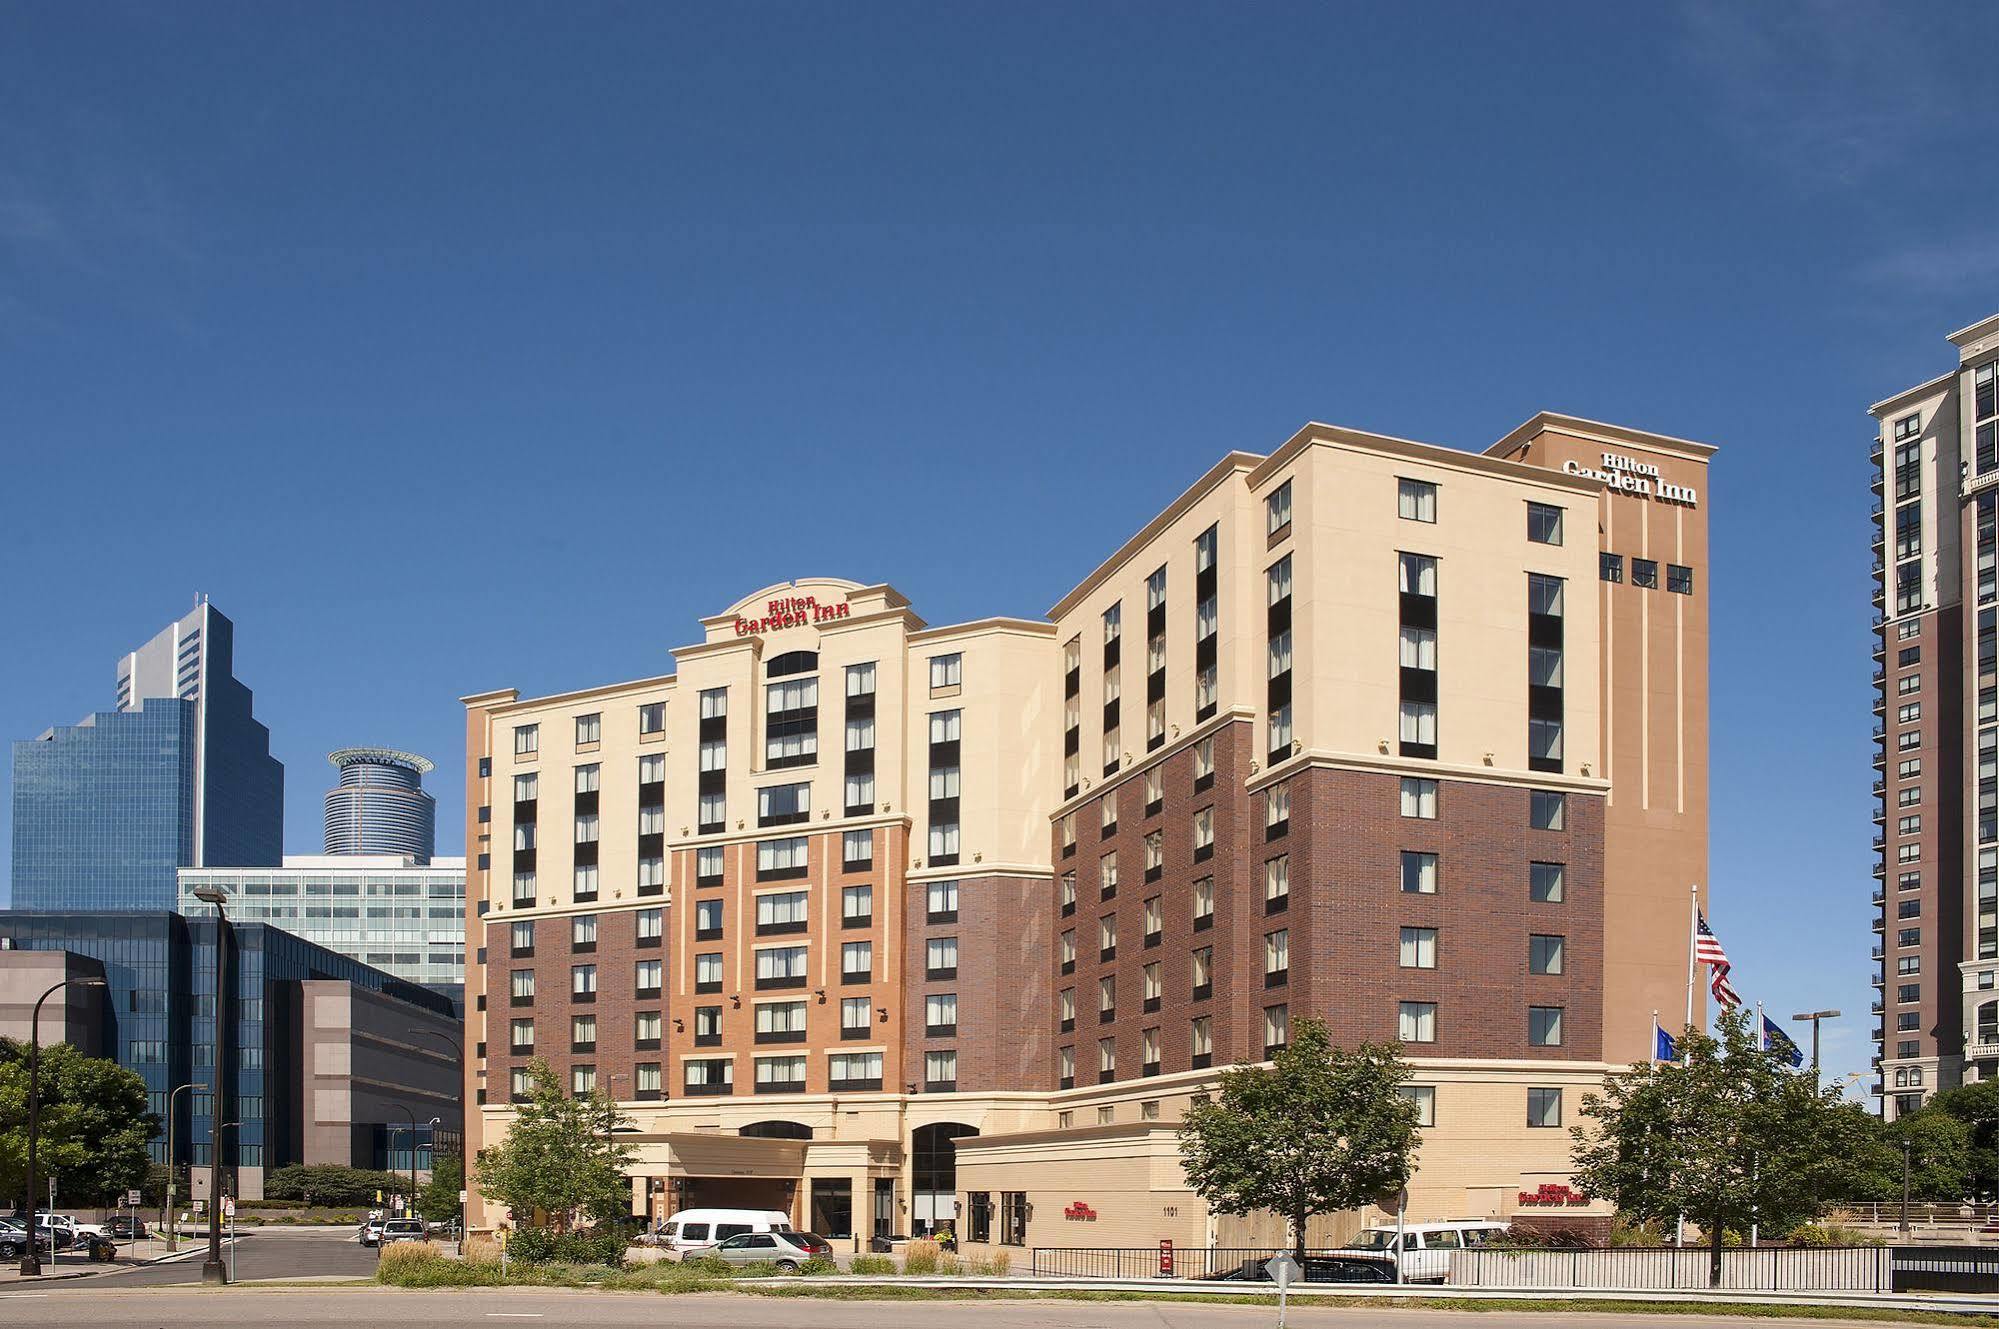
x=1078 y=1212
x=1166 y=1257
x=1552 y=1194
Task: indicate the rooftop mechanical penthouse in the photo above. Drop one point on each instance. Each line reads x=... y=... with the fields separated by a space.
x=891 y=924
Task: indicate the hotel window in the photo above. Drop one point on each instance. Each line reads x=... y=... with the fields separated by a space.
x=1107 y=813
x=1106 y=1060
x=524 y=836
x=851 y=1071
x=1201 y=1041
x=857 y=906
x=857 y=961
x=940 y=1015
x=520 y=1084
x=1277 y=958
x=780 y=1022
x=946 y=671
x=1645 y=572
x=1148 y=1064
x=783 y=911
x=1276 y=1029
x=646 y=1086
x=1277 y=588
x=523 y=890
x=527 y=740
x=1155 y=791
x=523 y=939
x=1155 y=920
x=1544 y=524
x=784 y=804
x=646 y=1031
x=708 y=865
x=650 y=925
x=1068 y=951
x=861 y=680
x=777 y=859
x=586 y=828
x=1155 y=660
x=1204 y=764
x=856 y=1016
x=652 y=876
x=945 y=734
x=1277 y=884
x=1277 y=810
x=1419 y=873
x=1544 y=1107
x=1066 y=1068
x=1544 y=1026
x=588 y=778
x=1154 y=990
x=652 y=768
x=1419 y=948
x=1545 y=883
x=1202 y=971
x=1065 y=1008
x=1416 y=1021
x=583 y=982
x=709 y=1075
x=857 y=850
x=1416 y=500
x=940 y=1072
x=940 y=902
x=1549 y=811
x=1155 y=855
x=859 y=790
x=583 y=932
x=1544 y=672
x=1610 y=567
x=708 y=1019
x=1107 y=875
x=1423 y=1098
x=708 y=972
x=527 y=786
x=1106 y=999
x=1908 y=683
x=1419 y=798
x=1910 y=769
x=784 y=966
x=1107 y=937
x=1072 y=716
x=647 y=977
x=940 y=958
x=582 y=1033
x=652 y=717
x=1068 y=894
x=522 y=986
x=1277 y=510
x=1679 y=579
x=780 y=1075
x=589 y=729
x=1207 y=624
x=1417 y=715
x=520 y=1037
x=1204 y=904
x=1067 y=825
x=791 y=719
x=1909 y=529
x=713 y=813
x=1544 y=954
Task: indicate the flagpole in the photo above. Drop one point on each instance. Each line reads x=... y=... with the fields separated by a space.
x=1693 y=929
x=1655 y=1038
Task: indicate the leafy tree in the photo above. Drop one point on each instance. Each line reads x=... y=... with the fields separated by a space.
x=1939 y=1155
x=94 y=1125
x=1324 y=1129
x=1977 y=1106
x=1728 y=1136
x=333 y=1184
x=438 y=1201
x=561 y=1158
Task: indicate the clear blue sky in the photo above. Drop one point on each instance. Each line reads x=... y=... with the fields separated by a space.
x=324 y=310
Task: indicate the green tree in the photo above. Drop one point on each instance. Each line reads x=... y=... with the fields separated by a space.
x=560 y=1159
x=438 y=1200
x=94 y=1125
x=1728 y=1136
x=1977 y=1106
x=1324 y=1129
x=333 y=1184
x=1938 y=1156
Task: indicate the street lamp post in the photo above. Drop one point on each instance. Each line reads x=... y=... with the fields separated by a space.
x=435 y=1122
x=1813 y=1018
x=409 y=1204
x=173 y=1228
x=213 y=1270
x=464 y=1171
x=31 y=1263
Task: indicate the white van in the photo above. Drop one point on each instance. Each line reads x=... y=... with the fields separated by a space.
x=691 y=1229
x=1425 y=1251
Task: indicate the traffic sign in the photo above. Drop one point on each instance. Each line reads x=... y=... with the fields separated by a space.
x=229 y=1206
x=1283 y=1270
x=131 y=1199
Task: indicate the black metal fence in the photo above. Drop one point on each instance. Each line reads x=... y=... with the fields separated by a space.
x=1147 y=1261
x=1678 y=1268
x=1947 y=1269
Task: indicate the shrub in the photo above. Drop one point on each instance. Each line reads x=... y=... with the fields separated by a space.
x=756 y=1269
x=1832 y=1234
x=598 y=1246
x=711 y=1266
x=481 y=1250
x=819 y=1264
x=1551 y=1237
x=1624 y=1232
x=920 y=1256
x=420 y=1264
x=329 y=1183
x=873 y=1264
x=949 y=1265
x=997 y=1264
x=532 y=1244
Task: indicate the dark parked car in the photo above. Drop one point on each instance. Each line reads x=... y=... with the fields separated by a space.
x=126 y=1227
x=1320 y=1269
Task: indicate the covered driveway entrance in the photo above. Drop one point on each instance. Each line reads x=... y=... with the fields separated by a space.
x=842 y=1189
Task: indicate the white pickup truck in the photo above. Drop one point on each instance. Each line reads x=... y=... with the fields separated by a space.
x=67 y=1223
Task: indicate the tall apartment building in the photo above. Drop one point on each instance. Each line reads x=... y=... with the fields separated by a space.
x=1936 y=767
x=180 y=773
x=893 y=925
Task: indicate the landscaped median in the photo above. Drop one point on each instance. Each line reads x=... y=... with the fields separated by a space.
x=537 y=1258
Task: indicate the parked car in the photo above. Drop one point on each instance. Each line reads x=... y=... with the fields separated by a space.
x=786 y=1249
x=14 y=1240
x=394 y=1230
x=693 y=1229
x=69 y=1222
x=1321 y=1269
x=126 y=1227
x=371 y=1231
x=1425 y=1248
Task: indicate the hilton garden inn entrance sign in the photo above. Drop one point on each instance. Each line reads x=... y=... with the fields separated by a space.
x=1630 y=476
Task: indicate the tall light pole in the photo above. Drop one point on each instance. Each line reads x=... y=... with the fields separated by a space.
x=464 y=1171
x=31 y=1263
x=173 y=1228
x=409 y=1206
x=213 y=1271
x=1813 y=1018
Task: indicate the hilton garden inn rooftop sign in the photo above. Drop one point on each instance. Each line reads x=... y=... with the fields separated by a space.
x=1635 y=477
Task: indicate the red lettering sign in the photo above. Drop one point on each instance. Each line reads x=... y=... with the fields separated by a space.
x=790 y=611
x=1166 y=1257
x=1552 y=1194
x=1078 y=1212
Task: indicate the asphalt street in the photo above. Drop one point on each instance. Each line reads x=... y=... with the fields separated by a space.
x=102 y=1304
x=261 y=1254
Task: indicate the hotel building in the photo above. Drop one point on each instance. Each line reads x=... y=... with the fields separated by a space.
x=1935 y=462
x=892 y=924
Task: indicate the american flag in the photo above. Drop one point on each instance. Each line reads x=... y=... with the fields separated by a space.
x=1708 y=951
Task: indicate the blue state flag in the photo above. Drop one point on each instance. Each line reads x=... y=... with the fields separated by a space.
x=1663 y=1046
x=1780 y=1043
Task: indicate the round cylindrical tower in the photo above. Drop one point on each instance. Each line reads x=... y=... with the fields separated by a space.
x=380 y=807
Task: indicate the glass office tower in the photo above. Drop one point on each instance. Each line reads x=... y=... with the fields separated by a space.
x=179 y=774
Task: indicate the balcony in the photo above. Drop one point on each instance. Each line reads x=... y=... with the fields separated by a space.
x=1880 y=843
x=1880 y=816
x=1880 y=870
x=1878 y=1006
x=1878 y=482
x=1880 y=758
x=1880 y=788
x=1879 y=952
x=1881 y=704
x=1880 y=923
x=1880 y=730
x=1876 y=449
x=1880 y=598
x=1982 y=1046
x=1880 y=895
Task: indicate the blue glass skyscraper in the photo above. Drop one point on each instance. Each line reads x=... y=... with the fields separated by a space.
x=180 y=774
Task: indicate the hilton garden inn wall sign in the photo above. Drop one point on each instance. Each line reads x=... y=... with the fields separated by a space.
x=1631 y=476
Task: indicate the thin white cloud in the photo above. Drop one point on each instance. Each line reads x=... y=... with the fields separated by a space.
x=1939 y=265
